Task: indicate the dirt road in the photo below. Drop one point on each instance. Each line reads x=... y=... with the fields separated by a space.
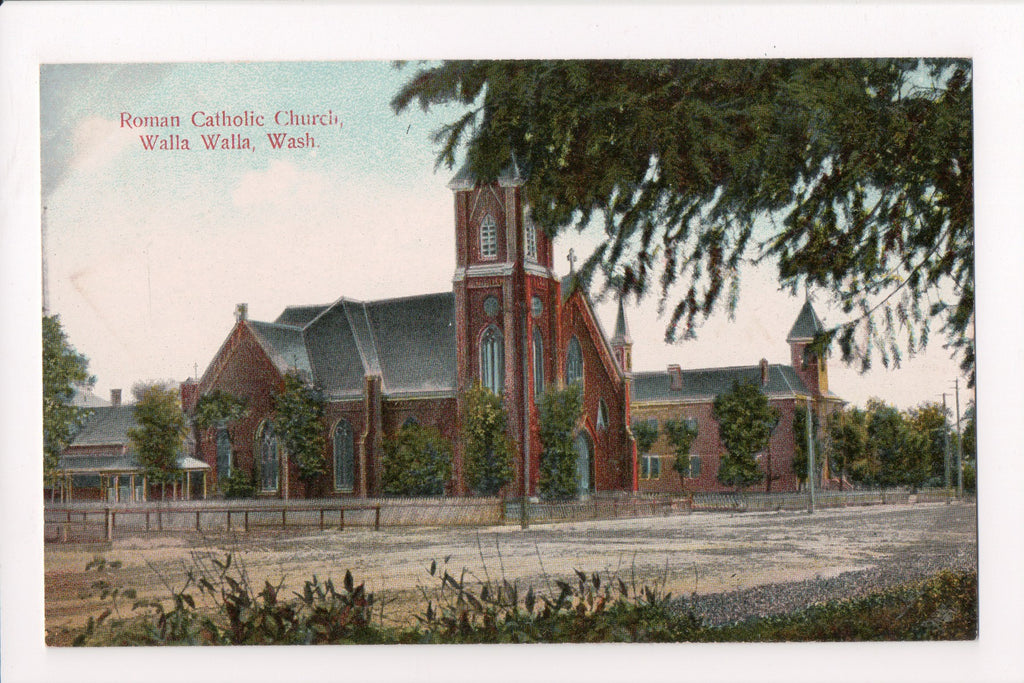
x=702 y=553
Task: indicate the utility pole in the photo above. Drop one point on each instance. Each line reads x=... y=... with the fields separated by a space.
x=945 y=444
x=810 y=457
x=959 y=447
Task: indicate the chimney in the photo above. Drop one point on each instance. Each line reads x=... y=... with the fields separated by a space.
x=189 y=394
x=115 y=397
x=764 y=372
x=241 y=312
x=676 y=374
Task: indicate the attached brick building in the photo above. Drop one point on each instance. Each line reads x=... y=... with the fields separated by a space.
x=508 y=323
x=677 y=394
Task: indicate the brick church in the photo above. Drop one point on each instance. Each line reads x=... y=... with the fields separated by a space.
x=508 y=323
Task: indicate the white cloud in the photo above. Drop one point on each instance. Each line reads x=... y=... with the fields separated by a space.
x=97 y=141
x=282 y=184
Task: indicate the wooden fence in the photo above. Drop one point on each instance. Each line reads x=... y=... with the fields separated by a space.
x=97 y=521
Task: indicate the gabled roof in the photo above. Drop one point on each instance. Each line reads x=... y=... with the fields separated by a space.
x=707 y=383
x=106 y=426
x=85 y=398
x=285 y=345
x=807 y=324
x=409 y=342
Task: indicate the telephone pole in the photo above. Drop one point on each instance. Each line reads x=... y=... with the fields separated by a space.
x=810 y=458
x=959 y=447
x=945 y=444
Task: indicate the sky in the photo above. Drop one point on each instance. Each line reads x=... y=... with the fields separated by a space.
x=148 y=251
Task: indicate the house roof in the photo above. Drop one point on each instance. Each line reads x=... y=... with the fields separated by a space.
x=85 y=398
x=79 y=464
x=409 y=341
x=807 y=324
x=106 y=426
x=707 y=383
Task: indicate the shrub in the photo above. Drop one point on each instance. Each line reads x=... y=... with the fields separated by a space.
x=488 y=451
x=417 y=462
x=239 y=484
x=558 y=413
x=298 y=419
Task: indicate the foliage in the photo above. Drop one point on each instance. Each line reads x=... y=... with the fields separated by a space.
x=488 y=450
x=745 y=423
x=849 y=439
x=239 y=484
x=219 y=408
x=646 y=433
x=236 y=614
x=855 y=176
x=63 y=368
x=681 y=434
x=417 y=462
x=800 y=455
x=157 y=438
x=943 y=607
x=900 y=451
x=218 y=606
x=559 y=413
x=298 y=420
x=930 y=420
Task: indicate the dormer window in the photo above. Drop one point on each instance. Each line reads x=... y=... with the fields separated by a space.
x=531 y=238
x=488 y=238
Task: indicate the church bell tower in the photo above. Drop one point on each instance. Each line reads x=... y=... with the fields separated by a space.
x=506 y=305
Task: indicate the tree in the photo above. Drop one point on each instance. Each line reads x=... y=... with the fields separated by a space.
x=855 y=176
x=800 y=454
x=417 y=462
x=486 y=445
x=298 y=420
x=745 y=422
x=221 y=409
x=930 y=420
x=63 y=368
x=848 y=432
x=158 y=437
x=681 y=434
x=901 y=452
x=559 y=412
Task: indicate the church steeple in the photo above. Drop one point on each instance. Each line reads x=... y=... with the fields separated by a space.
x=621 y=342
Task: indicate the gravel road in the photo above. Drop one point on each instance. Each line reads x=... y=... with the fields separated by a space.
x=737 y=564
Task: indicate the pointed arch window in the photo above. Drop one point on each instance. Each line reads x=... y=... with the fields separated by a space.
x=223 y=453
x=492 y=360
x=488 y=237
x=531 y=237
x=269 y=455
x=538 y=364
x=344 y=456
x=602 y=414
x=574 y=362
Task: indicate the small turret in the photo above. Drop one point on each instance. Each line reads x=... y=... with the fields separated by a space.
x=621 y=342
x=812 y=369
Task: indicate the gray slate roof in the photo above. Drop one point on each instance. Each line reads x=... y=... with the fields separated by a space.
x=708 y=383
x=119 y=463
x=107 y=425
x=807 y=324
x=409 y=341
